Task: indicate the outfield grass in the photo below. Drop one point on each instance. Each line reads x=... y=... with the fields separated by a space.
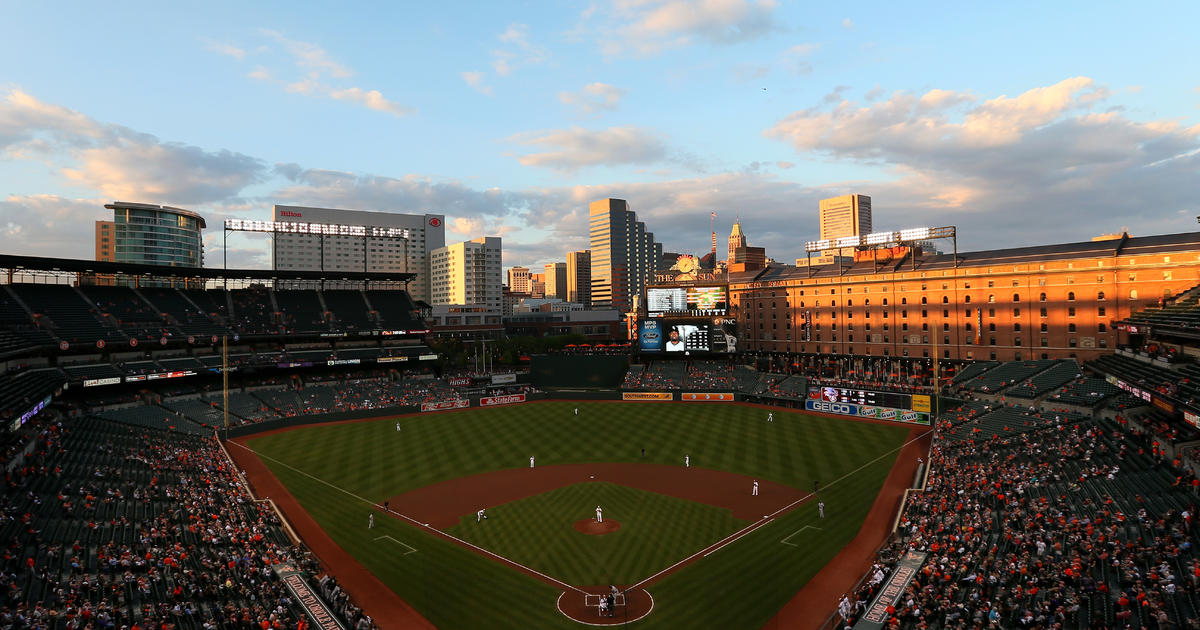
x=740 y=586
x=656 y=531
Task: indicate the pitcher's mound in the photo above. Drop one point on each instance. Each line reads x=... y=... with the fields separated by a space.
x=590 y=526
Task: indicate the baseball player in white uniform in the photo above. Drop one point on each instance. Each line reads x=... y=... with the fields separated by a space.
x=531 y=461
x=754 y=489
x=599 y=515
x=479 y=516
x=687 y=461
x=370 y=521
x=770 y=416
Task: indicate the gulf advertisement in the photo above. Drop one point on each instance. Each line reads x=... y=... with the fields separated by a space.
x=866 y=411
x=646 y=396
x=489 y=401
x=445 y=404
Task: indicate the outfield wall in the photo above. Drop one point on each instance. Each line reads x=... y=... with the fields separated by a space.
x=575 y=370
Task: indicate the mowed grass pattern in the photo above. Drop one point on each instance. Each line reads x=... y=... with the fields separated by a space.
x=741 y=586
x=656 y=531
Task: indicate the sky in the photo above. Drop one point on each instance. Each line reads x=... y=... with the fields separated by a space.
x=1018 y=123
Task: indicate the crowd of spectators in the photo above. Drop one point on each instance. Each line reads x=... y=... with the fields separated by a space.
x=109 y=526
x=1075 y=523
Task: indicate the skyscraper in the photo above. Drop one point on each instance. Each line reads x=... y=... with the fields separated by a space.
x=556 y=280
x=848 y=215
x=624 y=254
x=579 y=277
x=467 y=273
x=519 y=280
x=736 y=240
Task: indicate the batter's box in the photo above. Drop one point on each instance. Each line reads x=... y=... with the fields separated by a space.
x=411 y=549
x=594 y=600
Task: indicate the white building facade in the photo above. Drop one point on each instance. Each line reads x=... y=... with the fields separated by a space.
x=305 y=252
x=468 y=273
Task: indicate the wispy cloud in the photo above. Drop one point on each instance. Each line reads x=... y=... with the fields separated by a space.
x=593 y=98
x=311 y=71
x=474 y=78
x=570 y=149
x=222 y=48
x=848 y=24
x=516 y=51
x=646 y=27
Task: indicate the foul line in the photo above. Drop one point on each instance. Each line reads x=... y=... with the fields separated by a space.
x=415 y=522
x=785 y=540
x=767 y=518
x=411 y=548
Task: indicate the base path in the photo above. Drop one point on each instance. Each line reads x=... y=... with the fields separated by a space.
x=816 y=600
x=378 y=600
x=442 y=504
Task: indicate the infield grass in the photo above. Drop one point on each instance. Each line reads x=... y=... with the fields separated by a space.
x=656 y=531
x=336 y=471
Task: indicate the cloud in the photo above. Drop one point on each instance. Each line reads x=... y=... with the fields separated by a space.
x=474 y=78
x=516 y=51
x=794 y=59
x=49 y=225
x=848 y=24
x=371 y=99
x=1044 y=158
x=593 y=98
x=312 y=72
x=646 y=27
x=156 y=172
x=783 y=164
x=120 y=162
x=308 y=56
x=221 y=48
x=570 y=149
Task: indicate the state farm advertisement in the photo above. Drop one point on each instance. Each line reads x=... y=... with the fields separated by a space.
x=445 y=404
x=490 y=401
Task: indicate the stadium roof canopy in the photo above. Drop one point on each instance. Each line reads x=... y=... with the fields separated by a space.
x=35 y=264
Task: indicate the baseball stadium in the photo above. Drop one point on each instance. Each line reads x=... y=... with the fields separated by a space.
x=196 y=447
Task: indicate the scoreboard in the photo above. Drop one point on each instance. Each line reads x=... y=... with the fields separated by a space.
x=863 y=397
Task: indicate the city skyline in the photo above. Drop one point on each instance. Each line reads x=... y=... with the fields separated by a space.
x=512 y=121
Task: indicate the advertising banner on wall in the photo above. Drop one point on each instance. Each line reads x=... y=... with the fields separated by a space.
x=490 y=401
x=502 y=379
x=459 y=381
x=891 y=591
x=699 y=397
x=318 y=612
x=646 y=396
x=445 y=404
x=867 y=411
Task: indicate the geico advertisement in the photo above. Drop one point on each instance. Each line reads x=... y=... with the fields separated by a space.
x=865 y=411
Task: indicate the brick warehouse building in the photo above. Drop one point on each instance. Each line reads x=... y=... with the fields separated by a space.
x=1053 y=301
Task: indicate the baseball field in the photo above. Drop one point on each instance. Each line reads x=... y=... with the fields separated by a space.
x=688 y=547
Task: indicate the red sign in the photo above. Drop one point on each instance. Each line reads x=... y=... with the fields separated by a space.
x=290 y=213
x=62 y=345
x=445 y=404
x=434 y=222
x=501 y=400
x=133 y=342
x=459 y=381
x=707 y=397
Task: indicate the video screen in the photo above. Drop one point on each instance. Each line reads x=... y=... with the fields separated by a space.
x=690 y=301
x=686 y=336
x=861 y=397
